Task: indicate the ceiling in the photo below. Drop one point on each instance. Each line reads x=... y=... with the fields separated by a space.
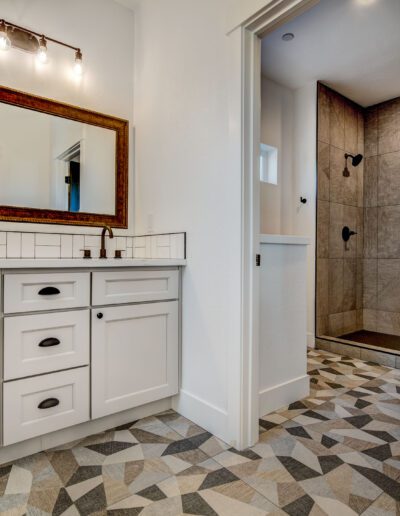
x=351 y=45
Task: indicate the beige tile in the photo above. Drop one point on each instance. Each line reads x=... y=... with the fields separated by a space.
x=371 y=132
x=369 y=319
x=388 y=225
x=323 y=171
x=336 y=120
x=335 y=325
x=345 y=349
x=389 y=127
x=360 y=232
x=360 y=322
x=370 y=232
x=350 y=219
x=371 y=182
x=350 y=128
x=322 y=286
x=389 y=285
x=336 y=244
x=360 y=183
x=349 y=284
x=322 y=325
x=335 y=286
x=388 y=322
x=370 y=282
x=323 y=230
x=349 y=321
x=360 y=286
x=389 y=178
x=323 y=114
x=360 y=132
x=336 y=166
x=378 y=357
x=350 y=185
x=323 y=344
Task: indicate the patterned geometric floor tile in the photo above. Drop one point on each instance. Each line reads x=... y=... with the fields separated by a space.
x=336 y=452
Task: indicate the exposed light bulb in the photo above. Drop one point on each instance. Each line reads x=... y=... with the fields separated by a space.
x=78 y=68
x=5 y=42
x=42 y=51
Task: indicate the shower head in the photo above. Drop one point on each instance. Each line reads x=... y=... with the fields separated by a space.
x=355 y=160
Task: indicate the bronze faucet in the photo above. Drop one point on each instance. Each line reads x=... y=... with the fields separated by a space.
x=103 y=251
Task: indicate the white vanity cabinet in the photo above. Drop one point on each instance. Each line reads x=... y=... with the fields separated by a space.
x=82 y=344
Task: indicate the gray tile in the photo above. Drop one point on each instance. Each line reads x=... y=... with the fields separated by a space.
x=350 y=128
x=323 y=344
x=389 y=179
x=336 y=286
x=323 y=229
x=322 y=286
x=350 y=185
x=370 y=281
x=388 y=322
x=389 y=285
x=336 y=244
x=360 y=232
x=349 y=321
x=360 y=132
x=322 y=326
x=335 y=324
x=323 y=171
x=345 y=349
x=370 y=232
x=350 y=219
x=388 y=225
x=371 y=132
x=360 y=286
x=369 y=319
x=371 y=355
x=371 y=181
x=336 y=121
x=389 y=127
x=336 y=166
x=323 y=114
x=349 y=284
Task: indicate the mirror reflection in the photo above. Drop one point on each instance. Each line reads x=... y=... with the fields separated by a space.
x=48 y=162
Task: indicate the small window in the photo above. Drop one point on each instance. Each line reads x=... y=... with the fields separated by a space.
x=268 y=164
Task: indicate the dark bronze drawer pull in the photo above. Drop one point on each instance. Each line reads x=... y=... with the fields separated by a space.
x=49 y=403
x=48 y=291
x=46 y=343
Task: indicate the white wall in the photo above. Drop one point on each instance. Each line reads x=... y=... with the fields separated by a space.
x=185 y=182
x=277 y=130
x=104 y=31
x=288 y=122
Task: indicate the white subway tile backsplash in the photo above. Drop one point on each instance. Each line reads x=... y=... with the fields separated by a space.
x=78 y=244
x=48 y=251
x=47 y=239
x=28 y=245
x=66 y=246
x=13 y=245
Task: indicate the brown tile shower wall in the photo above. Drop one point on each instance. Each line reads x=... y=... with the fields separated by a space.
x=339 y=300
x=382 y=218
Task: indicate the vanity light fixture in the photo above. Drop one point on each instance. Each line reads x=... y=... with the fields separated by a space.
x=21 y=38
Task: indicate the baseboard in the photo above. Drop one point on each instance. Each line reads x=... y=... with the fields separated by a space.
x=45 y=442
x=310 y=340
x=283 y=394
x=208 y=416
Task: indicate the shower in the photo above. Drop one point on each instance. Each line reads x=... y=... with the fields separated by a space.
x=355 y=161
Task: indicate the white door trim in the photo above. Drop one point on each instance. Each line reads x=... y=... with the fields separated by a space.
x=245 y=132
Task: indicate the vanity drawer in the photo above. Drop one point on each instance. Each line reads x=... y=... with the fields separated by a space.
x=32 y=292
x=41 y=343
x=36 y=406
x=111 y=288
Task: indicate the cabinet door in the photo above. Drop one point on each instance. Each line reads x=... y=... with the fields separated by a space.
x=134 y=355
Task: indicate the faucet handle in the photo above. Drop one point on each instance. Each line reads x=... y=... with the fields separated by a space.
x=103 y=253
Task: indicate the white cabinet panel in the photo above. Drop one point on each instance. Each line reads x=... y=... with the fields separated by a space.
x=41 y=343
x=43 y=404
x=49 y=291
x=110 y=288
x=134 y=355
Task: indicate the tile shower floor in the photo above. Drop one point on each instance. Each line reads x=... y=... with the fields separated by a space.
x=336 y=452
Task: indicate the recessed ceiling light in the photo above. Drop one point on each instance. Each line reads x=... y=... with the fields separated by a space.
x=288 y=36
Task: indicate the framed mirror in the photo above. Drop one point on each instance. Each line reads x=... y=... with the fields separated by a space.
x=61 y=164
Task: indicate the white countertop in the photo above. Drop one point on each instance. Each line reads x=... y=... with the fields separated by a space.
x=285 y=239
x=48 y=263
